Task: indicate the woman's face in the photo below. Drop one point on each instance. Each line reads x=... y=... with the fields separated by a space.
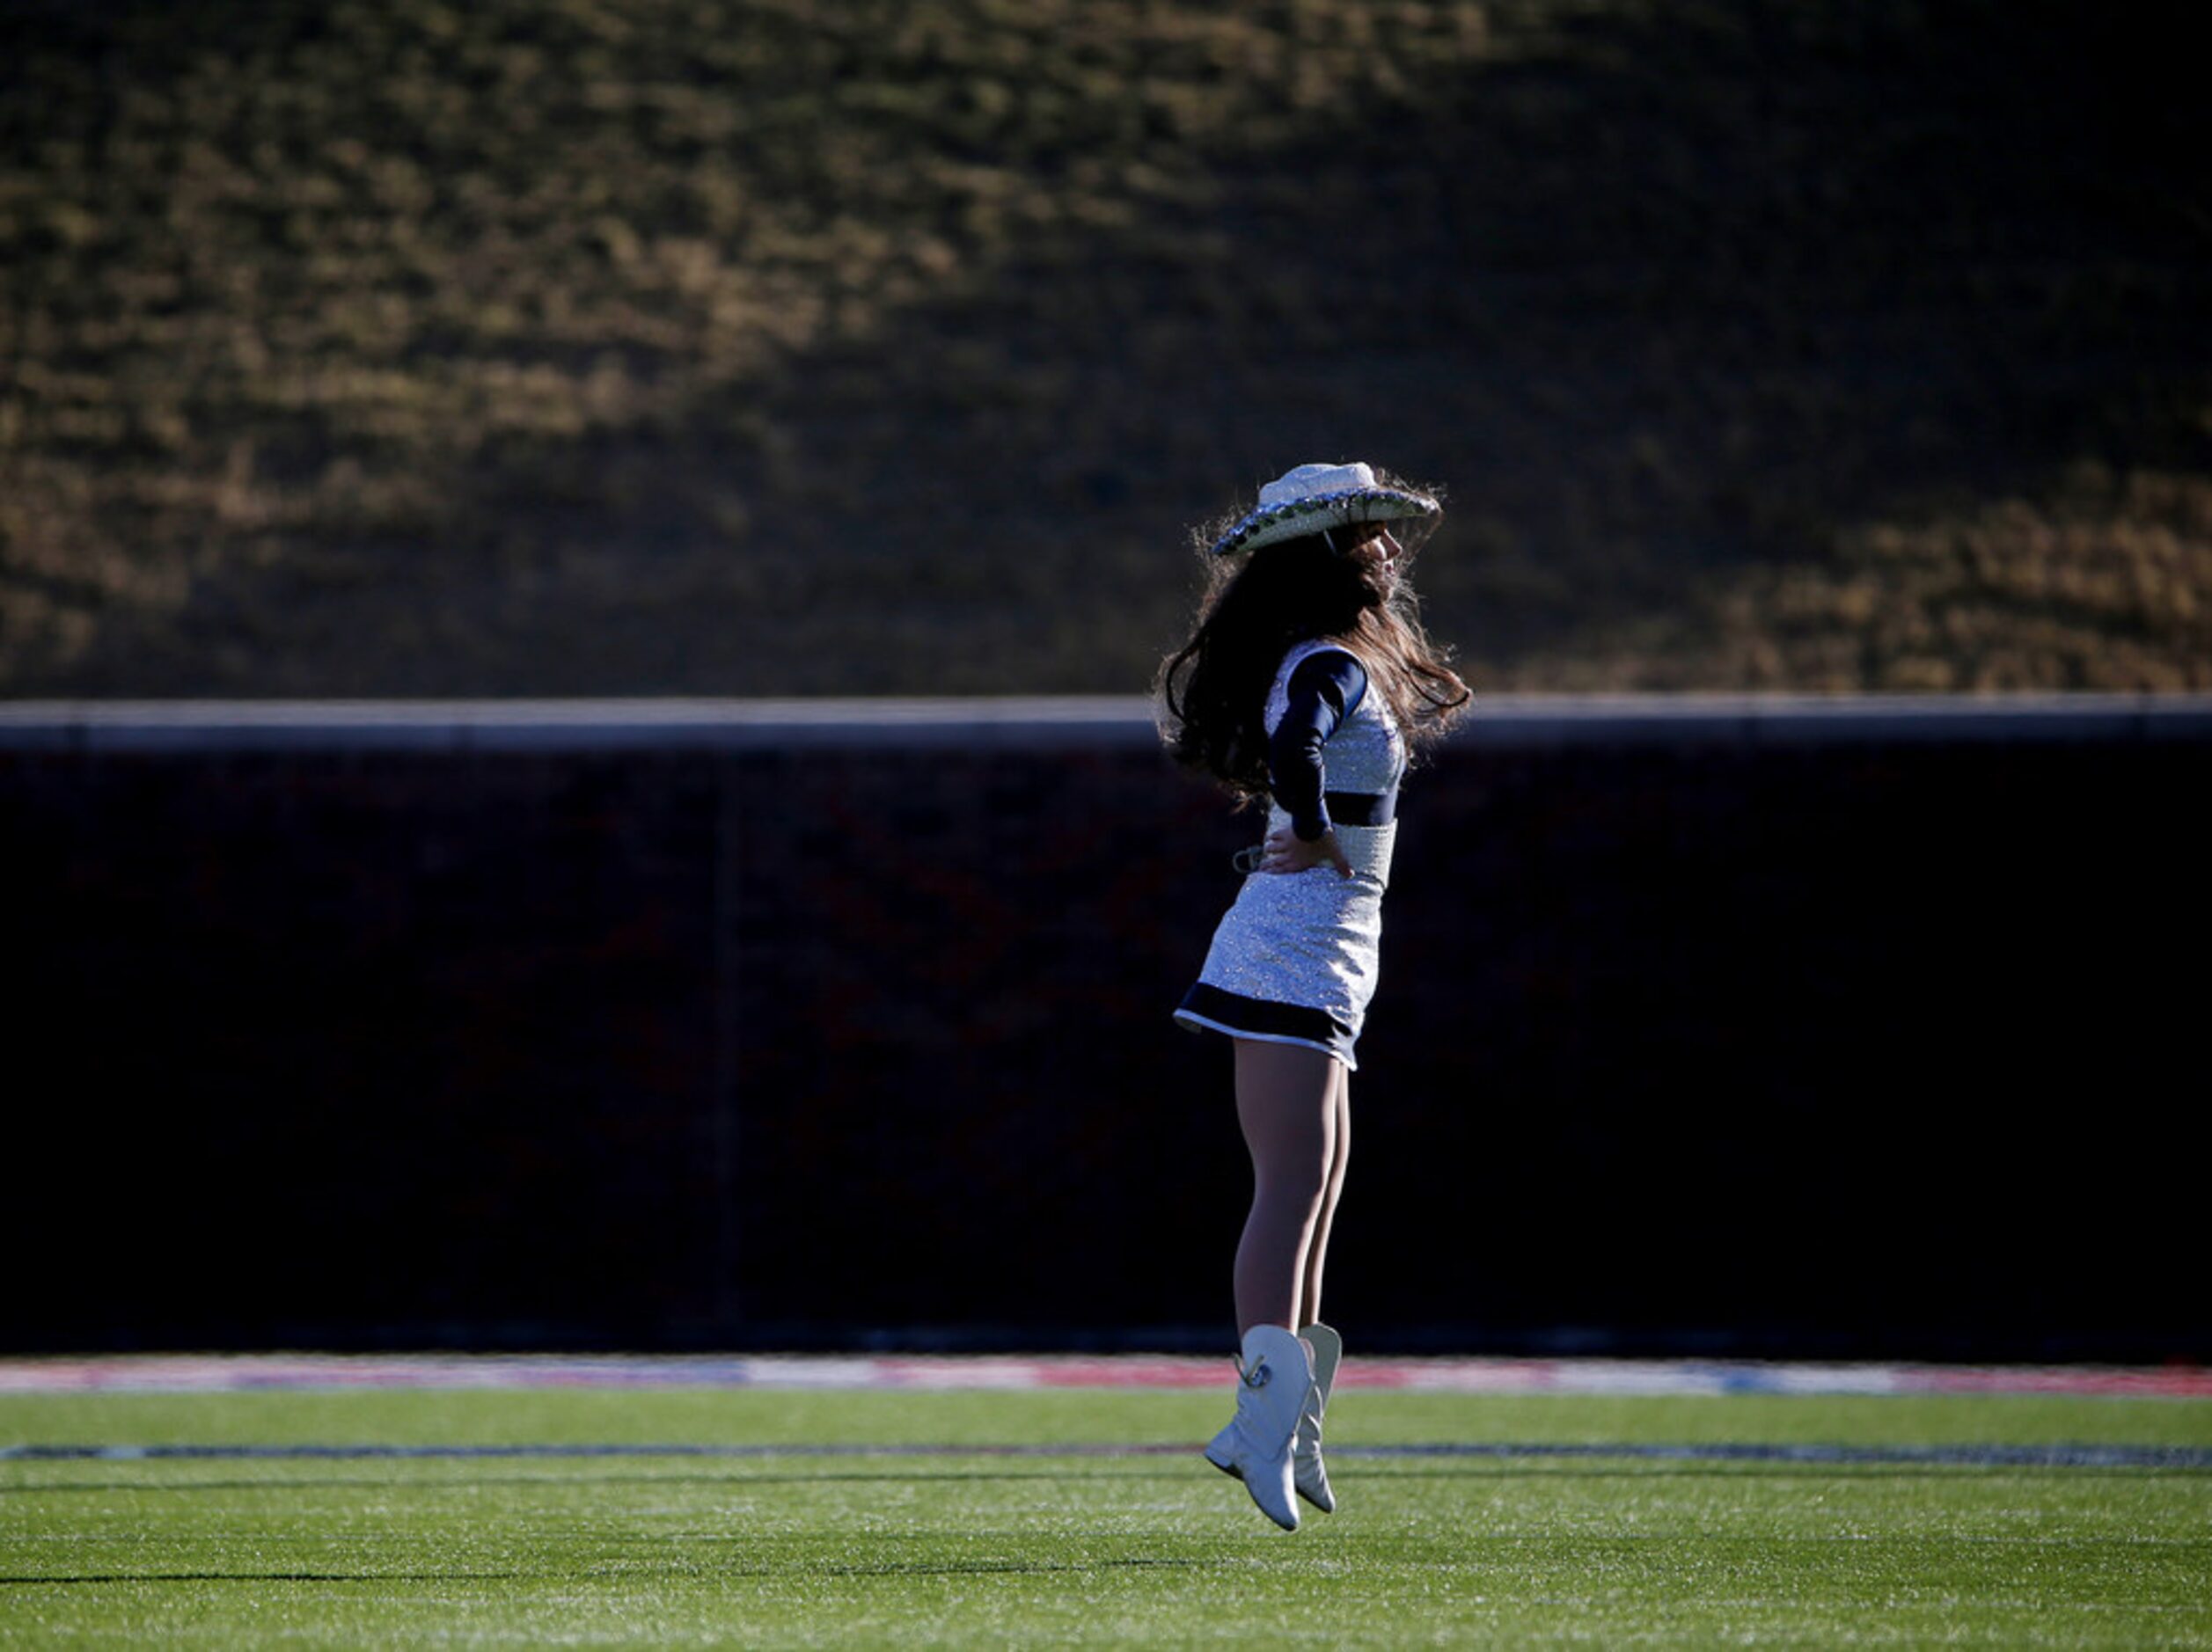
x=1374 y=544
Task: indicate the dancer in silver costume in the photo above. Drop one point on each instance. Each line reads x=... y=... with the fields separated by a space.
x=1306 y=684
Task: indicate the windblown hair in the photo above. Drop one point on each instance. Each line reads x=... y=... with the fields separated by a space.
x=1212 y=693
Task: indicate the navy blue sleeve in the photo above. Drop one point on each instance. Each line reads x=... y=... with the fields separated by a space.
x=1323 y=691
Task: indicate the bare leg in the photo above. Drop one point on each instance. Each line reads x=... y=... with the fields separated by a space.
x=1317 y=1252
x=1287 y=1103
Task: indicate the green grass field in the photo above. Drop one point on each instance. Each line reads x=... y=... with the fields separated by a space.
x=789 y=1547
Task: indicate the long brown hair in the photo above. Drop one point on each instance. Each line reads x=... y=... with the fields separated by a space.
x=1213 y=691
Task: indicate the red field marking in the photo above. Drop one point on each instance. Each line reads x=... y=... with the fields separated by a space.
x=157 y=1373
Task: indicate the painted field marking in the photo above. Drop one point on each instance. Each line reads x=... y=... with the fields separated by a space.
x=176 y=1373
x=2145 y=1457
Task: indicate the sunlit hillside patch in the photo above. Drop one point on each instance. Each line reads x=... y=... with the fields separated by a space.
x=2101 y=583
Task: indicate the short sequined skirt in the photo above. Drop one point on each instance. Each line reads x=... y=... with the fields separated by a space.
x=1294 y=960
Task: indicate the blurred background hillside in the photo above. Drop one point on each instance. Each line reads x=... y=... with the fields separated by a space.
x=758 y=347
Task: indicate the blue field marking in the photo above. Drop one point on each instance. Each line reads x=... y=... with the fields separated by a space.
x=2182 y=1456
x=2153 y=1457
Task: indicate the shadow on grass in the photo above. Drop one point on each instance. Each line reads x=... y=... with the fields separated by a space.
x=33 y=1580
x=915 y=1568
x=471 y=1482
x=928 y=1569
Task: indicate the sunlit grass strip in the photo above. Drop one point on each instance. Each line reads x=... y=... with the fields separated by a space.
x=1053 y=1548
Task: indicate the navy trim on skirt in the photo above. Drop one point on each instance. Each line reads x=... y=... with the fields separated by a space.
x=1206 y=1006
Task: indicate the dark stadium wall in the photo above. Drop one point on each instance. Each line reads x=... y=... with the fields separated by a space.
x=1832 y=1030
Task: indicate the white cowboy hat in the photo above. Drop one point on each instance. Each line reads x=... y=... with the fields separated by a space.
x=1313 y=498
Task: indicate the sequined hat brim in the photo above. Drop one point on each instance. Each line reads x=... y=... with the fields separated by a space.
x=1318 y=511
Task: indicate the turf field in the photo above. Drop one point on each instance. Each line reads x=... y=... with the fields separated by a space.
x=804 y=1516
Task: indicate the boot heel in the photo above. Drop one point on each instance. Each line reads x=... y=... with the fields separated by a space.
x=1309 y=1474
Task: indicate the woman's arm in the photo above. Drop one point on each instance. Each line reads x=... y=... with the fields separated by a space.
x=1323 y=691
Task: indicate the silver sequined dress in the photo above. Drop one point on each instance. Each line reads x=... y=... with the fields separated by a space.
x=1294 y=960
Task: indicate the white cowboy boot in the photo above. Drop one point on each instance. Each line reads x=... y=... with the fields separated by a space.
x=1311 y=1479
x=1275 y=1378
